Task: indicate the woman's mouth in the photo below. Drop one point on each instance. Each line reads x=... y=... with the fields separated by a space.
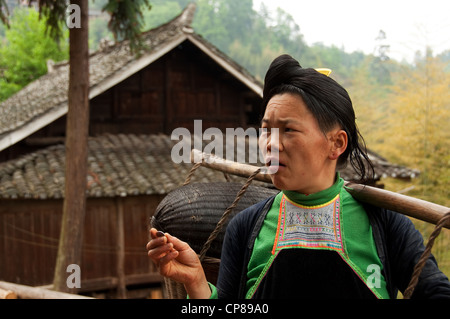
x=273 y=165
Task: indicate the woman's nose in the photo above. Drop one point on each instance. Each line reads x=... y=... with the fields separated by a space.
x=270 y=141
x=274 y=143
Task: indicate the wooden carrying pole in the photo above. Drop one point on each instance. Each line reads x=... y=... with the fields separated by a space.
x=413 y=207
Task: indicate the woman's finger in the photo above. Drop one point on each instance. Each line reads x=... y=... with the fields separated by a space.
x=156 y=242
x=171 y=255
x=159 y=251
x=154 y=233
x=177 y=243
x=157 y=238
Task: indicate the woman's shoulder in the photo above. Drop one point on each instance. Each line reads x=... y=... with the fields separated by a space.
x=248 y=217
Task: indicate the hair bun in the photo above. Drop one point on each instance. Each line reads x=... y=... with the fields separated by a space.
x=281 y=71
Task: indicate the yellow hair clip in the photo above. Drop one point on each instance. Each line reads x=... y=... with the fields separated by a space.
x=324 y=71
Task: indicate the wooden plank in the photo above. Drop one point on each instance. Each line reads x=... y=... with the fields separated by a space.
x=27 y=292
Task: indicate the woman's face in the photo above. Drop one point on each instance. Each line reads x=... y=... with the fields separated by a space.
x=306 y=156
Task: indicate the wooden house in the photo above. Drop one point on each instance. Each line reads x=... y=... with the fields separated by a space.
x=135 y=104
x=179 y=78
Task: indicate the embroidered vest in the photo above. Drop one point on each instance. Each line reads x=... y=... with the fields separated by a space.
x=315 y=251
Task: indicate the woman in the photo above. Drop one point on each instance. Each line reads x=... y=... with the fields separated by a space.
x=313 y=239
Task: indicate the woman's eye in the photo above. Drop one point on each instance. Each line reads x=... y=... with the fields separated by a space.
x=288 y=129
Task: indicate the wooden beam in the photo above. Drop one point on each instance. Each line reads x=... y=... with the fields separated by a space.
x=27 y=292
x=90 y=285
x=7 y=294
x=44 y=141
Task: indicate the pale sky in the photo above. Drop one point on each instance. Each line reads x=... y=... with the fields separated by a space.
x=410 y=25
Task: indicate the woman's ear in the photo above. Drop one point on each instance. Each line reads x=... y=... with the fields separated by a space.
x=338 y=139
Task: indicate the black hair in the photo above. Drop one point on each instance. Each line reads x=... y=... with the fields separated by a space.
x=327 y=100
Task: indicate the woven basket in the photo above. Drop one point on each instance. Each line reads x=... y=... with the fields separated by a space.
x=191 y=213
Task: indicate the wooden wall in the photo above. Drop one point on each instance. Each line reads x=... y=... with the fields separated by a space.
x=172 y=92
x=29 y=235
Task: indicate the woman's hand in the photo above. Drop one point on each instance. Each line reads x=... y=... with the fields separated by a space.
x=178 y=261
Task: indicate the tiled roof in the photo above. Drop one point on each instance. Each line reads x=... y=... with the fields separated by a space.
x=45 y=99
x=118 y=165
x=383 y=169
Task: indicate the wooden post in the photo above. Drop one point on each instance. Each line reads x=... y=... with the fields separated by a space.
x=71 y=237
x=121 y=284
x=410 y=206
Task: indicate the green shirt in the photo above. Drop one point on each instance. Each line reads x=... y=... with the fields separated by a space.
x=358 y=246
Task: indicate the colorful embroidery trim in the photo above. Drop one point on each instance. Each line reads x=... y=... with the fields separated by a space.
x=316 y=227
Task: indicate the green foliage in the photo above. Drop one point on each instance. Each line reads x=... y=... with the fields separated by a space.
x=161 y=12
x=25 y=51
x=54 y=13
x=29 y=39
x=126 y=20
x=2 y=30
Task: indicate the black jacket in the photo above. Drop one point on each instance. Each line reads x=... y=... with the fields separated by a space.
x=399 y=247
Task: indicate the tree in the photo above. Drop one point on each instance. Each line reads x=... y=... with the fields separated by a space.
x=370 y=102
x=71 y=238
x=26 y=51
x=418 y=126
x=125 y=23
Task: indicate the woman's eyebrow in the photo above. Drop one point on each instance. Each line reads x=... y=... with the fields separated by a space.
x=281 y=121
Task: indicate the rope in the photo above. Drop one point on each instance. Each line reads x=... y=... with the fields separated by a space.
x=227 y=177
x=425 y=255
x=224 y=217
x=191 y=173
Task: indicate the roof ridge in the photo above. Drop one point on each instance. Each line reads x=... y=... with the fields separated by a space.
x=187 y=16
x=183 y=20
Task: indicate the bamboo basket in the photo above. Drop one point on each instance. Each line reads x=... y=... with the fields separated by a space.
x=191 y=213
